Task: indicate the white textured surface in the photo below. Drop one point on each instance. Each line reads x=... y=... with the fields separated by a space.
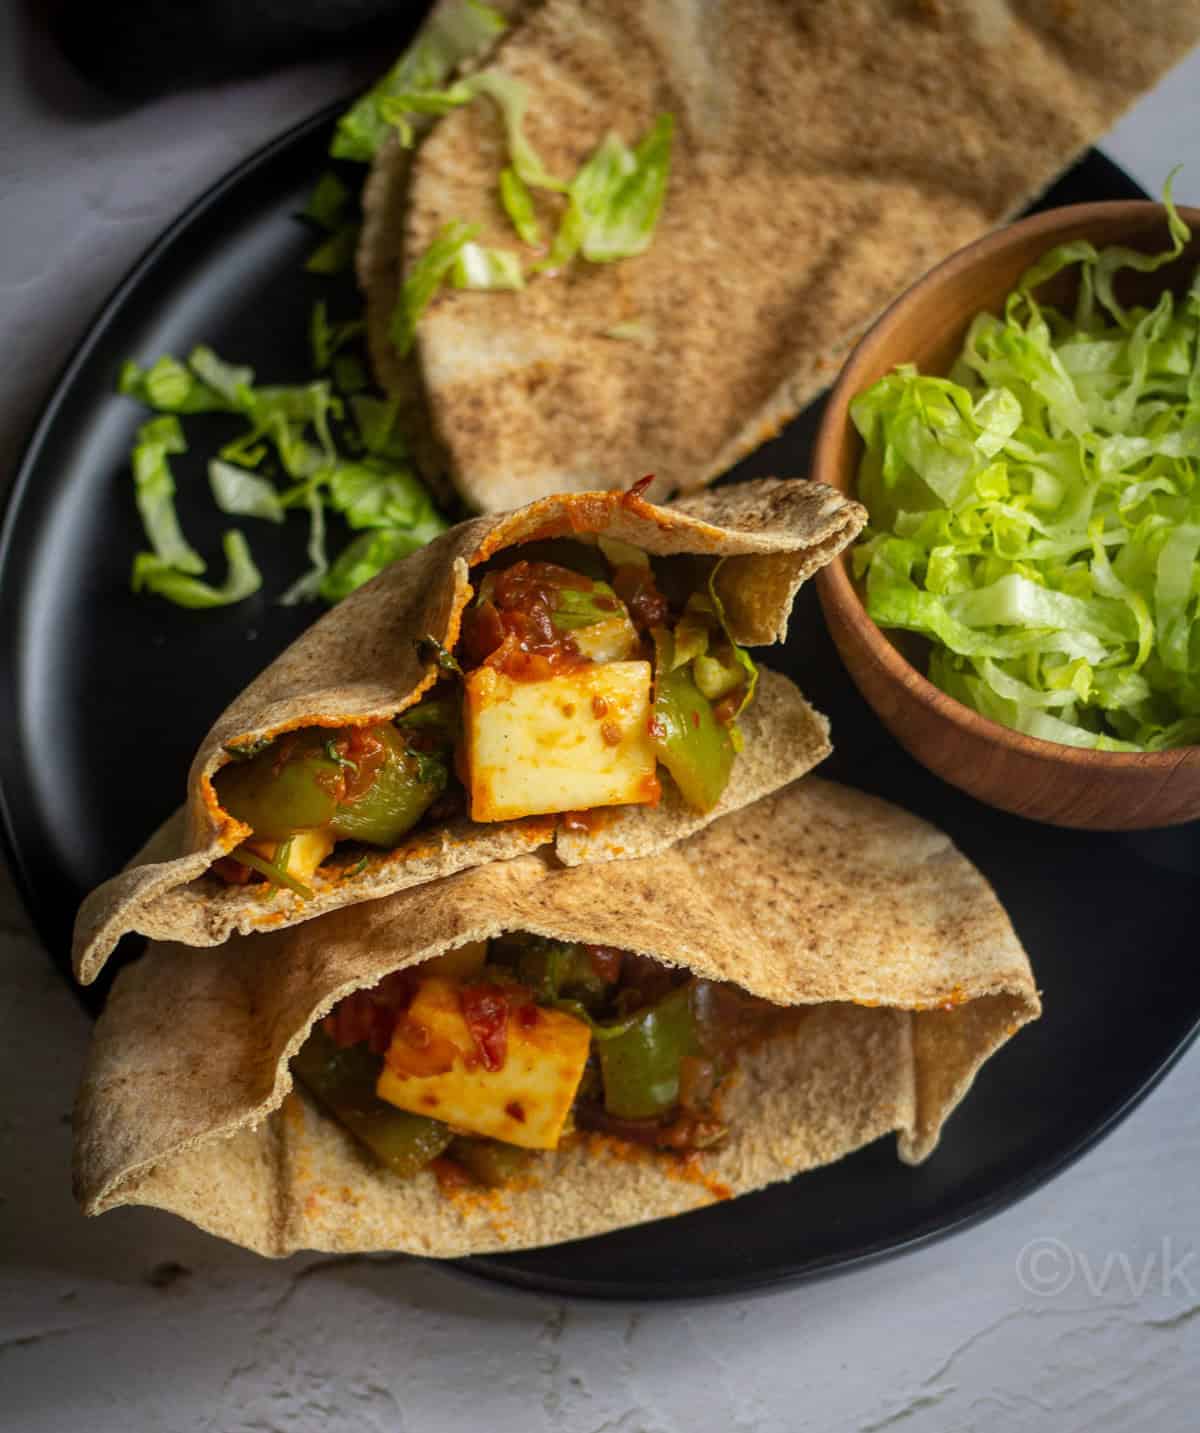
x=1096 y=1326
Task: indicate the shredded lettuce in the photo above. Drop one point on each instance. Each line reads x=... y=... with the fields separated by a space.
x=450 y=36
x=511 y=98
x=242 y=578
x=308 y=587
x=615 y=199
x=477 y=267
x=336 y=254
x=376 y=420
x=169 y=387
x=517 y=203
x=424 y=279
x=155 y=488
x=296 y=422
x=372 y=494
x=367 y=556
x=326 y=338
x=242 y=494
x=327 y=203
x=231 y=381
x=632 y=330
x=1036 y=514
x=350 y=374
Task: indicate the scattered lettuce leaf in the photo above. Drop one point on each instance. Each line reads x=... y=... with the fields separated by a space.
x=155 y=489
x=325 y=338
x=367 y=556
x=243 y=494
x=376 y=420
x=477 y=267
x=350 y=374
x=518 y=205
x=327 y=203
x=308 y=587
x=511 y=98
x=371 y=494
x=633 y=330
x=231 y=381
x=242 y=579
x=424 y=278
x=336 y=254
x=169 y=387
x=615 y=199
x=1036 y=515
x=397 y=109
x=449 y=37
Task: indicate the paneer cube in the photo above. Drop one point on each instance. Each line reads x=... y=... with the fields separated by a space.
x=308 y=850
x=612 y=640
x=433 y=1068
x=571 y=743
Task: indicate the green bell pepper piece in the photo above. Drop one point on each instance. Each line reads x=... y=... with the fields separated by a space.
x=343 y=1081
x=278 y=798
x=490 y=1161
x=688 y=739
x=554 y=970
x=404 y=788
x=579 y=607
x=640 y=1065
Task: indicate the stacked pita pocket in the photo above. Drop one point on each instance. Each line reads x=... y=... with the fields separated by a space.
x=826 y=153
x=384 y=203
x=903 y=961
x=360 y=663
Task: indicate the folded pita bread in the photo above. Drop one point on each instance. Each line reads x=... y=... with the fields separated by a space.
x=906 y=967
x=385 y=199
x=360 y=663
x=826 y=153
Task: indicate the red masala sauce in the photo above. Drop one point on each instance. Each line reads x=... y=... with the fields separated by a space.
x=635 y=586
x=727 y=708
x=371 y=1015
x=360 y=746
x=485 y=1009
x=605 y=960
x=512 y=627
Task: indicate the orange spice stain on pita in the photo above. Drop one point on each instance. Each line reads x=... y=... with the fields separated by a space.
x=955 y=997
x=469 y=1199
x=574 y=513
x=686 y=1168
x=270 y=919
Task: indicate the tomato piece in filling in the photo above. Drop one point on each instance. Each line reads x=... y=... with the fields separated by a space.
x=512 y=627
x=370 y=1016
x=485 y=1011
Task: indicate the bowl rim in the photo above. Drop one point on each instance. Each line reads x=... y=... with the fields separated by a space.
x=833 y=581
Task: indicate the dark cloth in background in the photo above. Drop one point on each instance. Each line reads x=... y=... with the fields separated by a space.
x=134 y=49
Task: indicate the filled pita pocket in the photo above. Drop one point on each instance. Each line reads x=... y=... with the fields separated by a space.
x=825 y=154
x=525 y=1053
x=571 y=673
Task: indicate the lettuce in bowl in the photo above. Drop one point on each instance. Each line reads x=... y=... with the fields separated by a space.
x=1036 y=513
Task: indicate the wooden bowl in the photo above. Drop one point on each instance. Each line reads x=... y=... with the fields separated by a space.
x=1042 y=780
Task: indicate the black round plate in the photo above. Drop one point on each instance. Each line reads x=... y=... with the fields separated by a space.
x=105 y=696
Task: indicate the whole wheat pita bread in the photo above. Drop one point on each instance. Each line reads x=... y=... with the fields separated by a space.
x=360 y=663
x=385 y=199
x=826 y=153
x=818 y=897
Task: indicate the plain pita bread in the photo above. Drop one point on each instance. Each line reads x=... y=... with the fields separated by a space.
x=826 y=153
